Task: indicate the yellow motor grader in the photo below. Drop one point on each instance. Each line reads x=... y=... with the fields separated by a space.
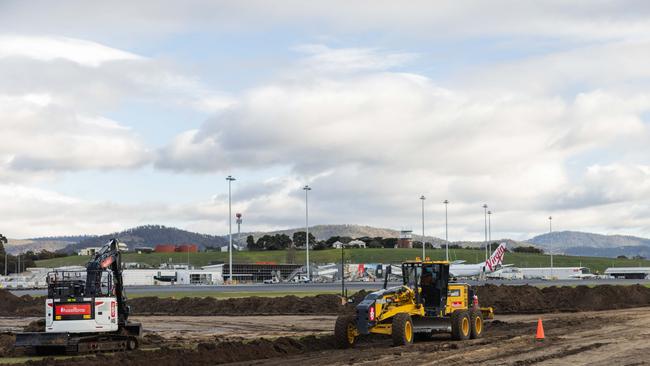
x=427 y=303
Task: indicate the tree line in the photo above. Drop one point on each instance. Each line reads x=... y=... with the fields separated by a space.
x=297 y=240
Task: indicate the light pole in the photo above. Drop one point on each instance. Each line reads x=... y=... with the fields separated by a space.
x=230 y=179
x=307 y=189
x=446 y=202
x=550 y=248
x=489 y=232
x=423 y=243
x=485 y=206
x=342 y=273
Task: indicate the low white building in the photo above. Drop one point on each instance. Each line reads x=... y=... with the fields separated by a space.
x=559 y=273
x=358 y=243
x=88 y=251
x=628 y=272
x=507 y=273
x=208 y=275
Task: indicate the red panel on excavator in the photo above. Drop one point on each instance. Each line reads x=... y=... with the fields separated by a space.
x=72 y=309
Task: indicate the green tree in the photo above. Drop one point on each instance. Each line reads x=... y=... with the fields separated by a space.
x=299 y=239
x=3 y=240
x=281 y=241
x=274 y=242
x=264 y=242
x=389 y=242
x=252 y=245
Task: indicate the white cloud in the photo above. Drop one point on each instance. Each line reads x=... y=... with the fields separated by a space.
x=386 y=137
x=52 y=48
x=582 y=20
x=55 y=94
x=39 y=136
x=322 y=58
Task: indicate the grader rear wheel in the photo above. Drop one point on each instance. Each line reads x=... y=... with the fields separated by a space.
x=345 y=331
x=460 y=325
x=476 y=320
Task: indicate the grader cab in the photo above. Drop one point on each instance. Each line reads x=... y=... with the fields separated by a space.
x=427 y=303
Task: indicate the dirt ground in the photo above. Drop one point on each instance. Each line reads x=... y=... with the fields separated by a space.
x=620 y=337
x=192 y=330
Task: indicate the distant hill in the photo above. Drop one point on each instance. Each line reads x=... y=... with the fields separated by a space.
x=476 y=244
x=568 y=239
x=568 y=242
x=150 y=236
x=580 y=243
x=51 y=244
x=628 y=251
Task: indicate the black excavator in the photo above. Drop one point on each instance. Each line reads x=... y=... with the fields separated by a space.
x=85 y=311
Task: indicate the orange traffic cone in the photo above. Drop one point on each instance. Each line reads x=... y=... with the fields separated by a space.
x=540 y=330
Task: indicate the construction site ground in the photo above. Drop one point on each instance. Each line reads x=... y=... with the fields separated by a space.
x=618 y=337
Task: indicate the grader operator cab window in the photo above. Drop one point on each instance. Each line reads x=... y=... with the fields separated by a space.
x=428 y=280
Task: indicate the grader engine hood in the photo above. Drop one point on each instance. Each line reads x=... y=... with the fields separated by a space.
x=366 y=310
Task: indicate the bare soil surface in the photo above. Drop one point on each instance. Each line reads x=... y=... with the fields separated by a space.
x=190 y=330
x=614 y=337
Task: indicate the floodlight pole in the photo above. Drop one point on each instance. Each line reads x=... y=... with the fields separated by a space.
x=550 y=230
x=489 y=232
x=307 y=189
x=423 y=241
x=230 y=179
x=446 y=202
x=485 y=206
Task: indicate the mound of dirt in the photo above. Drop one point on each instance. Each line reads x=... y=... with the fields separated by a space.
x=35 y=326
x=7 y=341
x=12 y=305
x=205 y=354
x=319 y=304
x=530 y=299
x=504 y=299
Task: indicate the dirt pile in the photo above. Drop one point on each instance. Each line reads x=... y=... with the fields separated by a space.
x=7 y=341
x=505 y=300
x=205 y=353
x=12 y=305
x=319 y=304
x=530 y=299
x=35 y=326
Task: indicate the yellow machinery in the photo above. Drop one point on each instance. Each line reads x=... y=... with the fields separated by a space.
x=426 y=303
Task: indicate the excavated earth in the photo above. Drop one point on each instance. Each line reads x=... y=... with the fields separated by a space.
x=578 y=331
x=504 y=299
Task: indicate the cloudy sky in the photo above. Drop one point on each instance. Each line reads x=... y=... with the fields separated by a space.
x=117 y=114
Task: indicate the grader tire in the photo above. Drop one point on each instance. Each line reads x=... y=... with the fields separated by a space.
x=402 y=330
x=477 y=325
x=344 y=331
x=460 y=325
